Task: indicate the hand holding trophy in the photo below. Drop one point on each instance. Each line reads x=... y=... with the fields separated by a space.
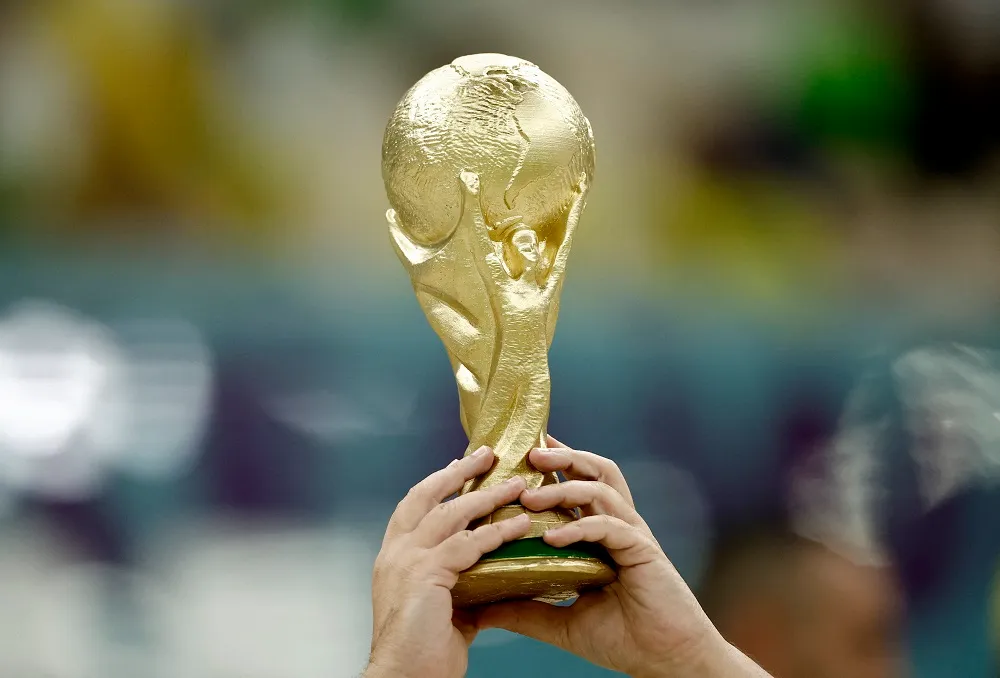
x=646 y=624
x=487 y=163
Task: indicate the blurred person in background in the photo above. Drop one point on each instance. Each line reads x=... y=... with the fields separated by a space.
x=801 y=610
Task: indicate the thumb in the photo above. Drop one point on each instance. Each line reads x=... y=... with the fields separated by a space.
x=541 y=621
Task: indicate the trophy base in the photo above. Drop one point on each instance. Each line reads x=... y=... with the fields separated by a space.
x=530 y=568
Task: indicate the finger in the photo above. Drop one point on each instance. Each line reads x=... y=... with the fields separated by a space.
x=461 y=551
x=541 y=621
x=580 y=465
x=448 y=518
x=627 y=544
x=591 y=496
x=435 y=488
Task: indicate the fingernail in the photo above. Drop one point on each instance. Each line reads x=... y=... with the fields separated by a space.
x=516 y=480
x=549 y=451
x=481 y=452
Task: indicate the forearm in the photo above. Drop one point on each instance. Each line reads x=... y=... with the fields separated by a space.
x=732 y=663
x=718 y=660
x=374 y=671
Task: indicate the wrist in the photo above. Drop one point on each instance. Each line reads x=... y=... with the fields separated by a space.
x=711 y=657
x=381 y=671
x=381 y=666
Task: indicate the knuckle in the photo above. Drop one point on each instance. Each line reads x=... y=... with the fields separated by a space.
x=605 y=491
x=607 y=522
x=412 y=495
x=604 y=488
x=382 y=568
x=609 y=468
x=586 y=490
x=463 y=538
x=491 y=534
x=443 y=513
x=501 y=494
x=460 y=510
x=500 y=527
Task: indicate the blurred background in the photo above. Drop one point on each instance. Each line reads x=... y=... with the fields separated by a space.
x=215 y=382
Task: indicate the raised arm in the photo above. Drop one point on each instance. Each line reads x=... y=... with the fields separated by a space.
x=411 y=255
x=562 y=254
x=475 y=225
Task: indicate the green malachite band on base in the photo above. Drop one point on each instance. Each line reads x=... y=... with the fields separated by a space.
x=537 y=548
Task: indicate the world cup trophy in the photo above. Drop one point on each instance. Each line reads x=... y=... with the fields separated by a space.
x=487 y=163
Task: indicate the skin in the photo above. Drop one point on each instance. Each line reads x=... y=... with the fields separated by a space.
x=852 y=620
x=821 y=616
x=427 y=543
x=647 y=624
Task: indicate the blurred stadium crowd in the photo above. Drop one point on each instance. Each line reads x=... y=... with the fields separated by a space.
x=215 y=383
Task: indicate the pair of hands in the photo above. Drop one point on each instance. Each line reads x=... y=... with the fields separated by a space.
x=647 y=624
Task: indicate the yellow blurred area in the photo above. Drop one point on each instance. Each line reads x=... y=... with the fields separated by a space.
x=256 y=128
x=159 y=141
x=754 y=239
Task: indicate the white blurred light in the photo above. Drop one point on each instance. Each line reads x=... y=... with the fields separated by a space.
x=836 y=496
x=59 y=377
x=951 y=401
x=77 y=401
x=258 y=603
x=170 y=387
x=951 y=396
x=323 y=415
x=54 y=370
x=370 y=408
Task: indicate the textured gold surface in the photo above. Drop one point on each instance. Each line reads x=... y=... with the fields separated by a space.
x=540 y=520
x=488 y=274
x=550 y=579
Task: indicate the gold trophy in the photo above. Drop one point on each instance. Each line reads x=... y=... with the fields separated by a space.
x=487 y=162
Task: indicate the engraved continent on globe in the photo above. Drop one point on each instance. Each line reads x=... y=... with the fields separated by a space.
x=500 y=117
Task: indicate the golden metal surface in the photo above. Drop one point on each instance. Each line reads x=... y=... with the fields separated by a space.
x=540 y=520
x=487 y=162
x=552 y=580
